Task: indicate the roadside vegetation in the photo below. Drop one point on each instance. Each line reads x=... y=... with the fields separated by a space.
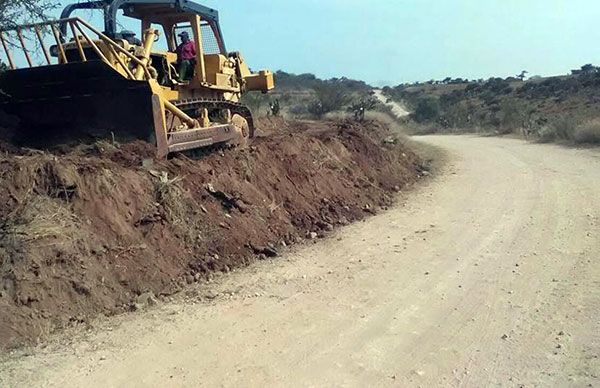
x=14 y=12
x=304 y=96
x=556 y=109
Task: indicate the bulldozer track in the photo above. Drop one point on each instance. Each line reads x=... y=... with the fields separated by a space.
x=234 y=107
x=209 y=103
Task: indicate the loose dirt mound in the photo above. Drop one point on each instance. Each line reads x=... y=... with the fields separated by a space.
x=88 y=231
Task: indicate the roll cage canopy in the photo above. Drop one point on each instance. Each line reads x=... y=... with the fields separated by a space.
x=154 y=11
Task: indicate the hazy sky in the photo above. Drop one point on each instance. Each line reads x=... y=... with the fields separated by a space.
x=408 y=40
x=393 y=41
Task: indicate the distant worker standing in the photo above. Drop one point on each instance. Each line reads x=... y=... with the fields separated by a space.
x=186 y=57
x=275 y=107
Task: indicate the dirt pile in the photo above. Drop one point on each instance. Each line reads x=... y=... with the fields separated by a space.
x=87 y=231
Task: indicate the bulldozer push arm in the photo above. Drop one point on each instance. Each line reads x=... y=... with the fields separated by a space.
x=126 y=87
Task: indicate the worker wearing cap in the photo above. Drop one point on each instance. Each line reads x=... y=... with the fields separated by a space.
x=186 y=57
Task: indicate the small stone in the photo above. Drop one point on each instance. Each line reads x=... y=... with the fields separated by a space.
x=504 y=337
x=144 y=300
x=312 y=235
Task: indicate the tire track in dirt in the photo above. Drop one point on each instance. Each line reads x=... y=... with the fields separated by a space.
x=487 y=275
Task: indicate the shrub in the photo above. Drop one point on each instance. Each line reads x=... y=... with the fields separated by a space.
x=512 y=116
x=427 y=109
x=588 y=132
x=561 y=128
x=329 y=97
x=298 y=110
x=459 y=115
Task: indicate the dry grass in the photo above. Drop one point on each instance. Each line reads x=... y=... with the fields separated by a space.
x=560 y=129
x=177 y=206
x=588 y=132
x=170 y=195
x=41 y=218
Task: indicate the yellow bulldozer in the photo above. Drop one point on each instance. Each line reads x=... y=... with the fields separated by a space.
x=68 y=79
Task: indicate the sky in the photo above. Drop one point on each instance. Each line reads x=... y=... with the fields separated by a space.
x=394 y=41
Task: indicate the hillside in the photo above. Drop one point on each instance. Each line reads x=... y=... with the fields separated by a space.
x=307 y=96
x=553 y=108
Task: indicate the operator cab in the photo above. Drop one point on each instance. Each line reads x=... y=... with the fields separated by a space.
x=172 y=18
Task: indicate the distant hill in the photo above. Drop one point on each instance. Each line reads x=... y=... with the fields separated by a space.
x=538 y=106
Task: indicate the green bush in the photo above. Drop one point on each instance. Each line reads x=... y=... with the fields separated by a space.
x=459 y=115
x=330 y=97
x=427 y=109
x=588 y=132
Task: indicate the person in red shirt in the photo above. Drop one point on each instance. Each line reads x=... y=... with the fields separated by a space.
x=186 y=57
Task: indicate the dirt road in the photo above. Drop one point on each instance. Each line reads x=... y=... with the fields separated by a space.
x=397 y=109
x=488 y=275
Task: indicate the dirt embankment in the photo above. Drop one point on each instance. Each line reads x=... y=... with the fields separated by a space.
x=86 y=232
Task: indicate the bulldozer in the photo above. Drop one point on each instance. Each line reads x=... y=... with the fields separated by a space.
x=65 y=78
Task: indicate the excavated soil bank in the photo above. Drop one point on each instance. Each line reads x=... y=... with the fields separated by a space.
x=87 y=231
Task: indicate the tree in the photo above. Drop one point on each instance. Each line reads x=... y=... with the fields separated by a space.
x=24 y=11
x=523 y=75
x=330 y=96
x=589 y=69
x=427 y=109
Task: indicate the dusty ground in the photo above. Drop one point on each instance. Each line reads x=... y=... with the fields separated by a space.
x=397 y=109
x=487 y=276
x=101 y=229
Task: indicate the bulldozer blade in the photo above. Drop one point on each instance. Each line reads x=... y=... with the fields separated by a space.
x=75 y=102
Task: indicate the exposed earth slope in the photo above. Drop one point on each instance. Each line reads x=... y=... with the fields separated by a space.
x=98 y=230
